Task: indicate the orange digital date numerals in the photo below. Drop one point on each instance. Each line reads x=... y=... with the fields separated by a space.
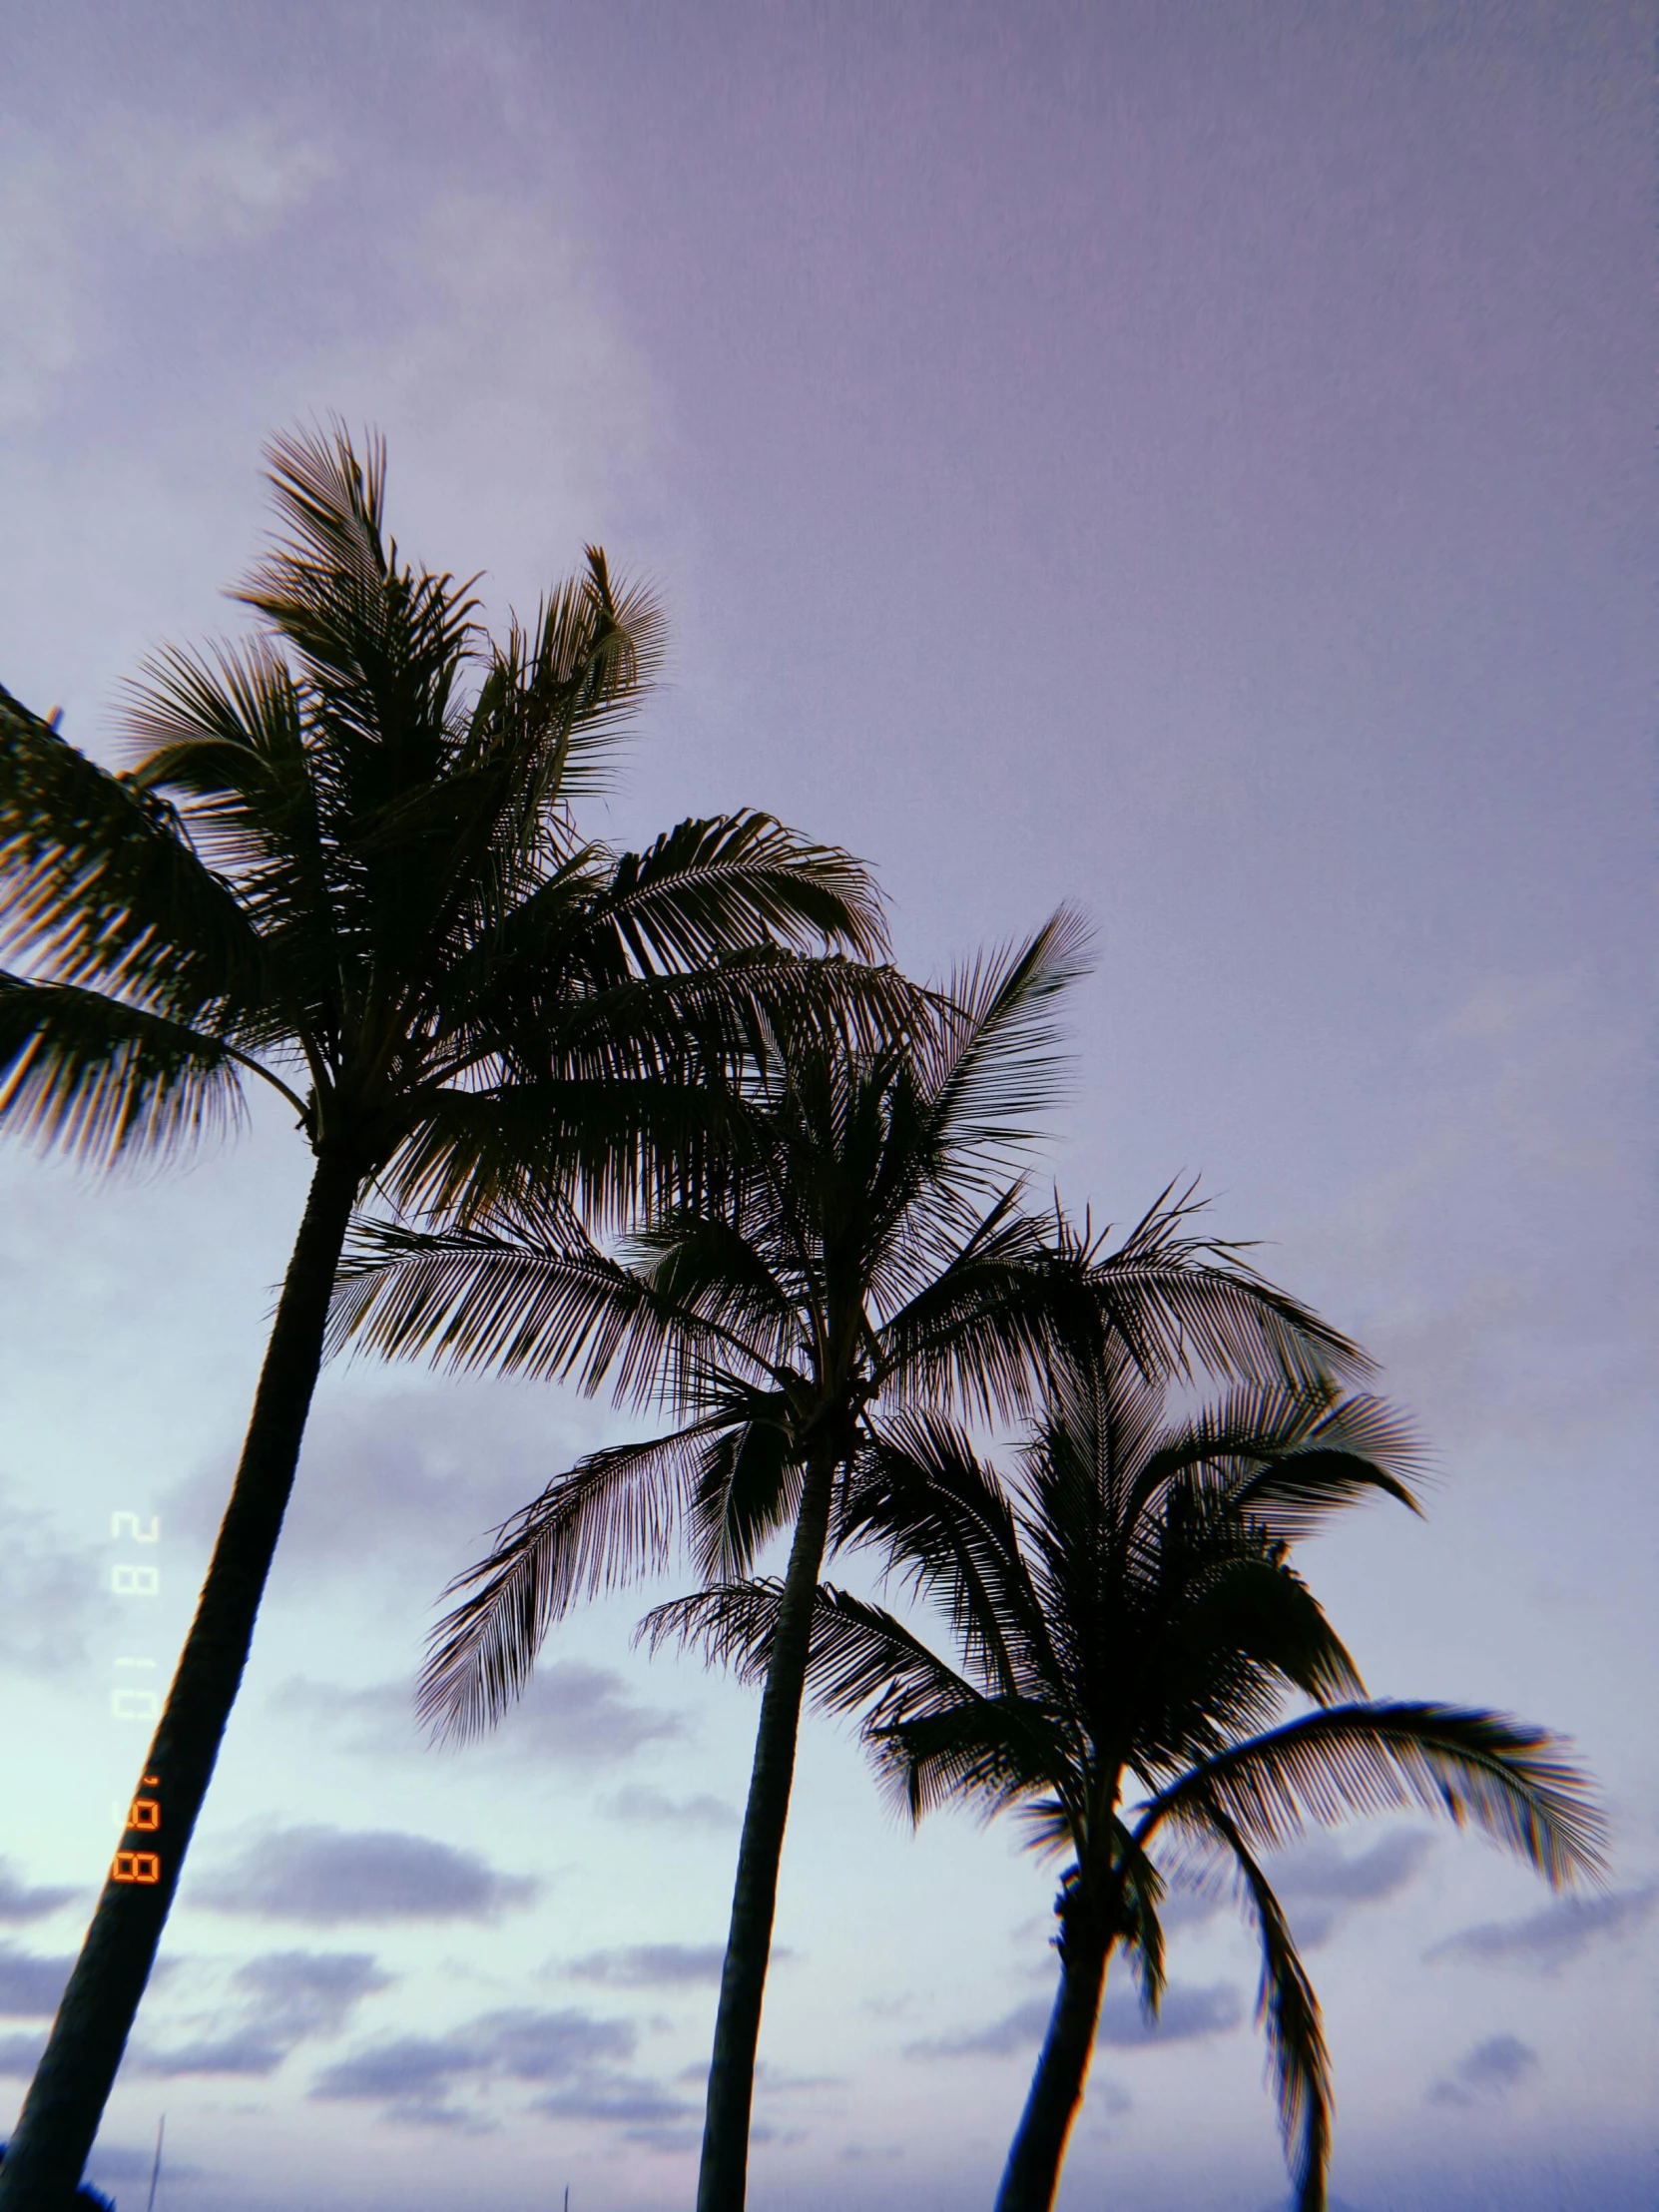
x=136 y=1865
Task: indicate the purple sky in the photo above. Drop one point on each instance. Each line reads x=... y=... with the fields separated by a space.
x=1193 y=460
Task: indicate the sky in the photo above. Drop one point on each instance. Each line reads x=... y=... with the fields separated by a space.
x=1193 y=463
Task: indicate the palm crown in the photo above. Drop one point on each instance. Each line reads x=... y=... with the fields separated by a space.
x=345 y=862
x=1129 y=1621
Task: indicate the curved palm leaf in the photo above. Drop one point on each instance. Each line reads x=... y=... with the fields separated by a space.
x=1288 y=2010
x=101 y=1078
x=612 y=1518
x=1501 y=1776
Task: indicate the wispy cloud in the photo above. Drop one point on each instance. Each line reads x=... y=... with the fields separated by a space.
x=49 y=1592
x=323 y=1877
x=651 y=1965
x=1491 y=2069
x=1186 y=2011
x=30 y=1986
x=433 y=2080
x=650 y=1807
x=278 y=2002
x=1318 y=1883
x=126 y=183
x=19 y=1900
x=1546 y=1940
x=571 y=1715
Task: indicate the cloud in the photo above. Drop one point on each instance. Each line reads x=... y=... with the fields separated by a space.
x=30 y=1986
x=615 y=2097
x=1316 y=1883
x=1016 y=2030
x=407 y=1484
x=49 y=1593
x=325 y=1876
x=281 y=1999
x=648 y=1806
x=575 y=2054
x=1546 y=1940
x=1490 y=2069
x=131 y=185
x=1187 y=2012
x=20 y=2054
x=247 y=2051
x=651 y=1965
x=572 y=1715
x=19 y=1903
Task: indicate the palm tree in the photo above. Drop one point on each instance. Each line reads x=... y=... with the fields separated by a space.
x=859 y=1246
x=344 y=866
x=1128 y=1617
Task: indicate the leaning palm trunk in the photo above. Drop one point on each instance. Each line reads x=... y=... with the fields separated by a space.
x=1033 y=2170
x=722 y=2177
x=66 y=2099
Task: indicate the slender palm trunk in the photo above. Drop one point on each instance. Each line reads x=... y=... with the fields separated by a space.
x=1032 y=2173
x=722 y=2177
x=66 y=2099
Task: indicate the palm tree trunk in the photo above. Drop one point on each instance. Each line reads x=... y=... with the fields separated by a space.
x=66 y=2099
x=722 y=2177
x=1032 y=2173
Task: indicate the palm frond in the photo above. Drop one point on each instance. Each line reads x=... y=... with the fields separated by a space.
x=1297 y=2051
x=1290 y=1453
x=596 y=648
x=991 y=1752
x=544 y=1301
x=1251 y=1613
x=1295 y=1496
x=712 y=886
x=100 y=1079
x=991 y=1062
x=947 y=1530
x=1508 y=1780
x=750 y=1486
x=381 y=643
x=104 y=889
x=1179 y=1302
x=612 y=1518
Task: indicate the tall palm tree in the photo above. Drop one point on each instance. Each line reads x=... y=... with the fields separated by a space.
x=862 y=1245
x=344 y=866
x=1128 y=1620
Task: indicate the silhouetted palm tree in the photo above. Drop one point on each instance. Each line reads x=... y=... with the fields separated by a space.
x=862 y=1245
x=1129 y=1621
x=344 y=865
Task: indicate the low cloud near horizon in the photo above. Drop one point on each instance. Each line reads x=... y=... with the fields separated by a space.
x=576 y=2055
